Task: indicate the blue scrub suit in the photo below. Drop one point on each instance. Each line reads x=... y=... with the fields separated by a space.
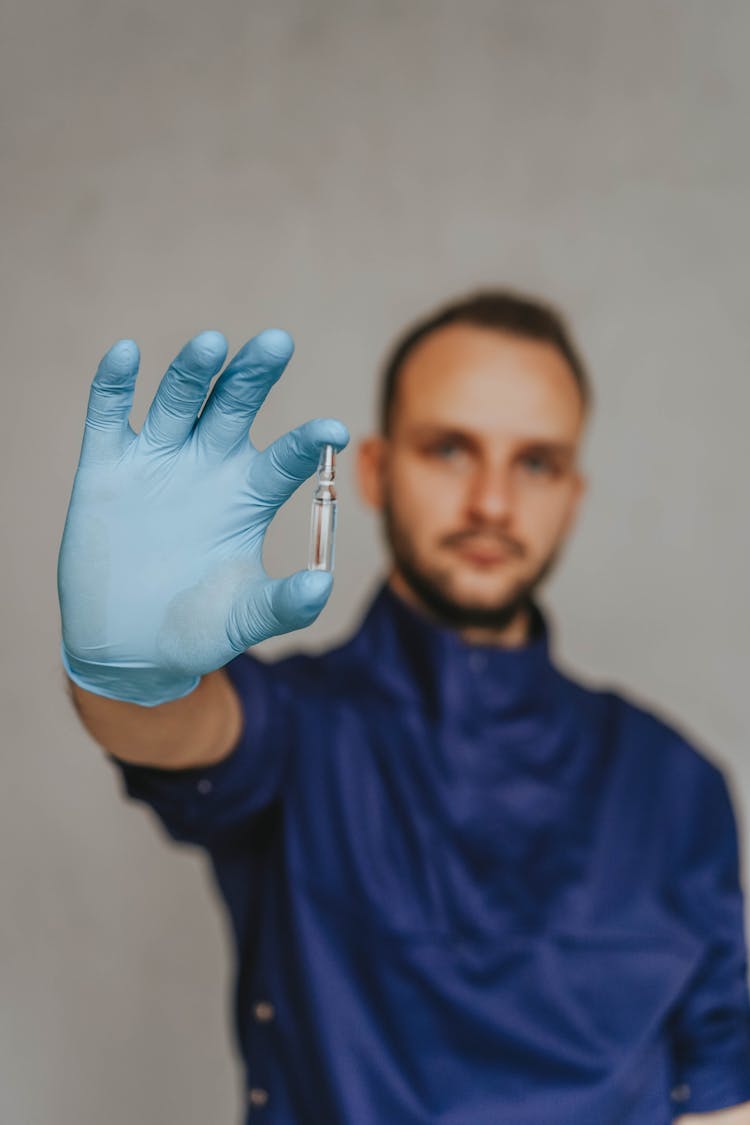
x=465 y=889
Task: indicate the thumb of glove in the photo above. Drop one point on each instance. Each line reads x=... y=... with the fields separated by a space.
x=279 y=605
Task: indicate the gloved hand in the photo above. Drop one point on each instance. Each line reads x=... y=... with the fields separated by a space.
x=160 y=575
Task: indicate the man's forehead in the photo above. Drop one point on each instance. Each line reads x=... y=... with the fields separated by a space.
x=477 y=379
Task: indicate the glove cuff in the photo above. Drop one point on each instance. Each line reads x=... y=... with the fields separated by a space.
x=130 y=683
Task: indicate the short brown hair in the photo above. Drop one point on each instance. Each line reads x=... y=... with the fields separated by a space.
x=501 y=309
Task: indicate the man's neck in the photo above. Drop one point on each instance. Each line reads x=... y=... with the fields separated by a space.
x=513 y=635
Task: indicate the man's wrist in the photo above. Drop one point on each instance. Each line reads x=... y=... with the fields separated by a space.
x=130 y=683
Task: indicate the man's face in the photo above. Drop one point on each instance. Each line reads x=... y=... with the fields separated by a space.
x=477 y=481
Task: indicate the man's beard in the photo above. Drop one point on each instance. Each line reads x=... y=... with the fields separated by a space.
x=432 y=592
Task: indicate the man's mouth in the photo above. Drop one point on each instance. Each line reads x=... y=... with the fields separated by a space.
x=482 y=556
x=481 y=553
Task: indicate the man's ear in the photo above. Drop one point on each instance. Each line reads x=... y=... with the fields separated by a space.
x=581 y=487
x=371 y=454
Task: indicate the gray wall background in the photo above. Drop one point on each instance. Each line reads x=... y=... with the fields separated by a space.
x=335 y=169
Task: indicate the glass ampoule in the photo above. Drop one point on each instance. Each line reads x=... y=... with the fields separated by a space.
x=323 y=514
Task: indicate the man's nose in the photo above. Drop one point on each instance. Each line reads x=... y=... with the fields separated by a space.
x=491 y=493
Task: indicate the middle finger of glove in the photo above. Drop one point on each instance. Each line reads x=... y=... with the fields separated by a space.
x=242 y=388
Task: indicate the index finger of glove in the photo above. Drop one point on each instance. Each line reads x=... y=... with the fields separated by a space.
x=283 y=466
x=182 y=391
x=111 y=400
x=242 y=387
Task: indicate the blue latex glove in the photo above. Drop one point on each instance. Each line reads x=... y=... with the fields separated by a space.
x=160 y=574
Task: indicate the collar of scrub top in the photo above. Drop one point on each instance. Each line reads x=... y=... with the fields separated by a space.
x=417 y=660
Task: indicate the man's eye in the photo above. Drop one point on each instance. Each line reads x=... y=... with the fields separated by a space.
x=447 y=449
x=540 y=465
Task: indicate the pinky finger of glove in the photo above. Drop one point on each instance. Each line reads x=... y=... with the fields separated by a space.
x=280 y=605
x=111 y=400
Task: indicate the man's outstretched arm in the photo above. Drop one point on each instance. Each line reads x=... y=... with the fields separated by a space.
x=160 y=573
x=199 y=729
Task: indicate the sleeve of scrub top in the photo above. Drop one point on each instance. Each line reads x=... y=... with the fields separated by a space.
x=211 y=804
x=711 y=1030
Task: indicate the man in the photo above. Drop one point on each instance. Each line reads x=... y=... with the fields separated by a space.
x=463 y=887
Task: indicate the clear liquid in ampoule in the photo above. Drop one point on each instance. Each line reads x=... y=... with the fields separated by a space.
x=323 y=514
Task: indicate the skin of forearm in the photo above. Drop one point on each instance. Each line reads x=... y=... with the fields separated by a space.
x=735 y=1115
x=198 y=730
